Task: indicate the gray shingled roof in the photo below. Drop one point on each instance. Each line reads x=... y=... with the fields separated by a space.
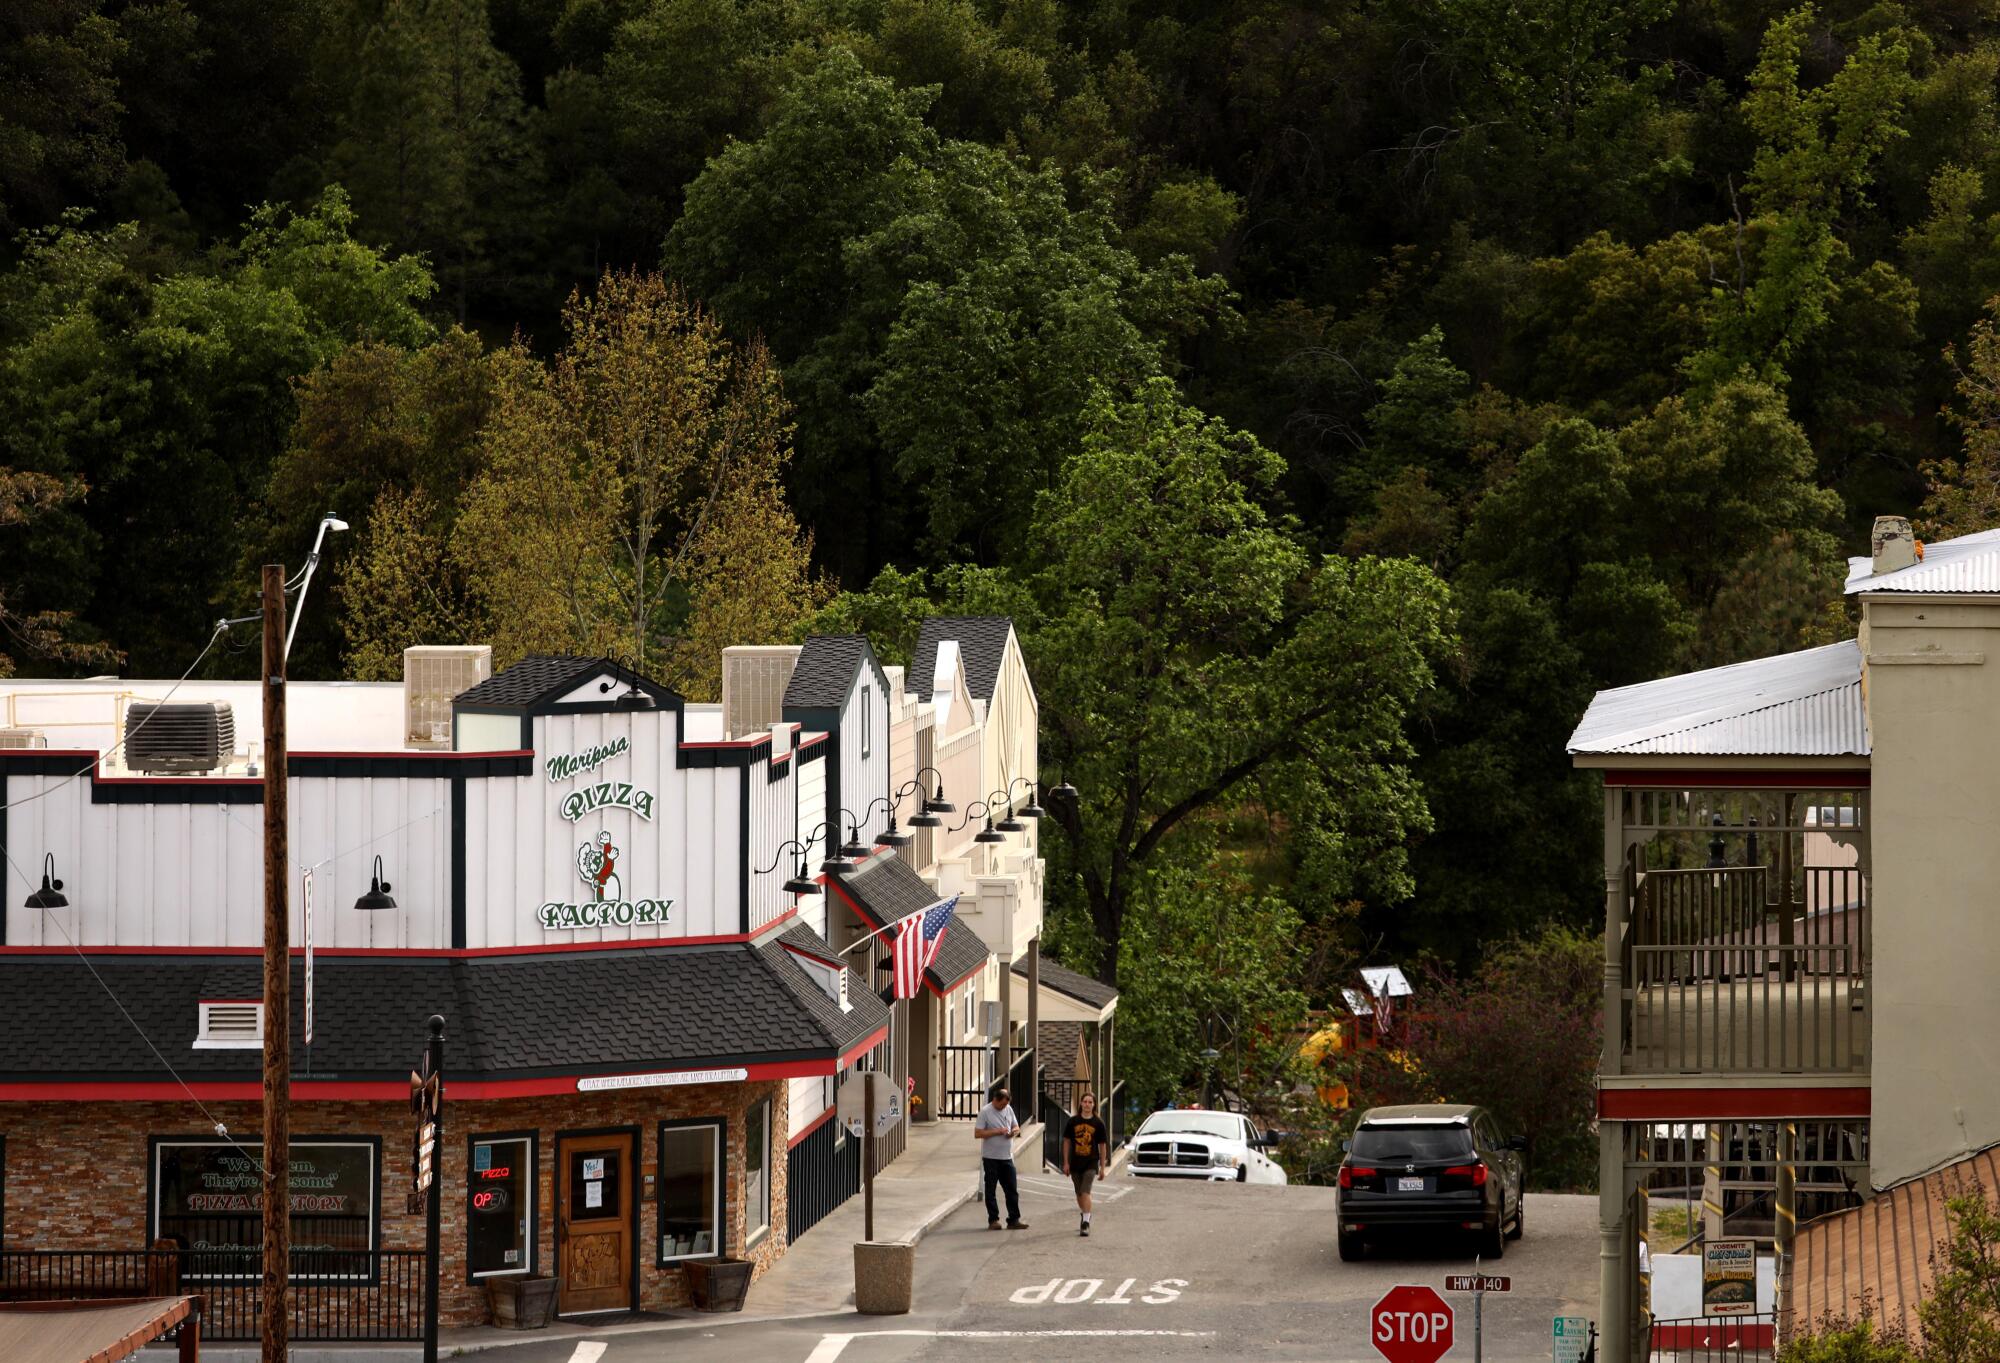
x=982 y=643
x=867 y=1013
x=887 y=889
x=529 y=680
x=1804 y=704
x=1059 y=977
x=505 y=1016
x=825 y=671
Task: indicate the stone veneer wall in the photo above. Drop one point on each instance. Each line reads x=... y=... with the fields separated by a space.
x=75 y=1174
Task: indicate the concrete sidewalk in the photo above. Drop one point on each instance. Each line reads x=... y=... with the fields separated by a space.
x=937 y=1173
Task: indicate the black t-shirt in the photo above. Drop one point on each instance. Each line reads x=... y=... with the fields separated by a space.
x=1084 y=1141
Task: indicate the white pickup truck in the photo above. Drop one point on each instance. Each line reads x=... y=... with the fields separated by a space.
x=1218 y=1147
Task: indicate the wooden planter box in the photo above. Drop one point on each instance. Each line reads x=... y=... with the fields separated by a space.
x=521 y=1303
x=719 y=1284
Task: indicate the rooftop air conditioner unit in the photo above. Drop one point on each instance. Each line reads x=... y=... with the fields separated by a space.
x=23 y=738
x=185 y=736
x=433 y=676
x=754 y=679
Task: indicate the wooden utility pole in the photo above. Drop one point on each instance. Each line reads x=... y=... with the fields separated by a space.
x=277 y=983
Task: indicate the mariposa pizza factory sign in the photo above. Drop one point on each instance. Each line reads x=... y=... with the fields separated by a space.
x=602 y=902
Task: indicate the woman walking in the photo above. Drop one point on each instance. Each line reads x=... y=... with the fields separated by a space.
x=1086 y=1145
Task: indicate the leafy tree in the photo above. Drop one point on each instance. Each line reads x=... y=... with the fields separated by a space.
x=626 y=499
x=58 y=108
x=166 y=398
x=1964 y=493
x=1238 y=656
x=1523 y=1036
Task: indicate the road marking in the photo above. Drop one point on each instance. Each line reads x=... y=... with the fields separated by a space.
x=1076 y=1291
x=830 y=1347
x=588 y=1352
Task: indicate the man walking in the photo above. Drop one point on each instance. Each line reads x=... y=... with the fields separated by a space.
x=994 y=1130
x=1086 y=1145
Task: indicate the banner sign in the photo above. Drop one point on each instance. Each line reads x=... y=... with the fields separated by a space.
x=598 y=1082
x=1729 y=1277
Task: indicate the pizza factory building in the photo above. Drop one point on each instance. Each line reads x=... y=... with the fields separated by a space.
x=595 y=884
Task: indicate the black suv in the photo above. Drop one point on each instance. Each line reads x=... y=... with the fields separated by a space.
x=1434 y=1166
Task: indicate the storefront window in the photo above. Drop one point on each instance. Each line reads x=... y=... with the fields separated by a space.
x=207 y=1195
x=690 y=1183
x=500 y=1205
x=756 y=1171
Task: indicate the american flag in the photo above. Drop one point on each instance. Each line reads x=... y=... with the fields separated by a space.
x=918 y=937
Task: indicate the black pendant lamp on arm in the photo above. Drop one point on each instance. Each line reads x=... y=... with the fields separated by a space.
x=50 y=896
x=378 y=897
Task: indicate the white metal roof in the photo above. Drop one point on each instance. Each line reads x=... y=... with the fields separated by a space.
x=1805 y=704
x=1970 y=563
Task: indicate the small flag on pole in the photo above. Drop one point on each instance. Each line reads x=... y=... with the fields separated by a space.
x=918 y=937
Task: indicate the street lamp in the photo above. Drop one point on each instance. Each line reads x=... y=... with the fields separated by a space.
x=304 y=580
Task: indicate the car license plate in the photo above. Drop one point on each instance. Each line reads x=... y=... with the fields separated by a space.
x=1409 y=1185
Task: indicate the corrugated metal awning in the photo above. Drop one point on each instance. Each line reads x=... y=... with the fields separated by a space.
x=1805 y=704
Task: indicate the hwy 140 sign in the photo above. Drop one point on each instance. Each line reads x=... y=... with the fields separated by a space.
x=1411 y=1324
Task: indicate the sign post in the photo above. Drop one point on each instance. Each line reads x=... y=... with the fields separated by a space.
x=1411 y=1324
x=869 y=1106
x=306 y=913
x=1478 y=1284
x=427 y=1103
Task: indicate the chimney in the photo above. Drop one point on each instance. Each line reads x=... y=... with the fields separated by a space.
x=1894 y=544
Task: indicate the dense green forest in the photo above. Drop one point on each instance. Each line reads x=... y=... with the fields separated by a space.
x=1337 y=393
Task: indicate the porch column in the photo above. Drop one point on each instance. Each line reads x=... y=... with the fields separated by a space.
x=1614 y=1286
x=1614 y=933
x=1006 y=1037
x=1035 y=1006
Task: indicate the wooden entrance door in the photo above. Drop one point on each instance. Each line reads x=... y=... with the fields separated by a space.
x=594 y=1222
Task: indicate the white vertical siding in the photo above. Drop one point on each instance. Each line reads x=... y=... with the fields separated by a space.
x=808 y=1100
x=192 y=874
x=773 y=810
x=863 y=780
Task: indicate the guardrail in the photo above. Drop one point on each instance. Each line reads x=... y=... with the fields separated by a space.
x=343 y=1294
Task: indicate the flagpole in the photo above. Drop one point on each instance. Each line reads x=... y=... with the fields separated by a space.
x=896 y=922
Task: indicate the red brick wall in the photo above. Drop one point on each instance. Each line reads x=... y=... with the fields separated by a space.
x=76 y=1176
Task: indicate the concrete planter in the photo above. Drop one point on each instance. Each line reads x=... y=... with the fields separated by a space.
x=521 y=1303
x=883 y=1274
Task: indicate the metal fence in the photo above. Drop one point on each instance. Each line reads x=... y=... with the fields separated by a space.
x=1711 y=1339
x=969 y=1072
x=344 y=1294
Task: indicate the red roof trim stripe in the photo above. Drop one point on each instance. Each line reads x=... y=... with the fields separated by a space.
x=812 y=1126
x=448 y=953
x=1672 y=778
x=1637 y=1105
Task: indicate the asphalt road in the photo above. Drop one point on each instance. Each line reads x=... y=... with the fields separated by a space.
x=1170 y=1271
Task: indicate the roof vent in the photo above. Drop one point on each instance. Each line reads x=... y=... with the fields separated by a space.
x=23 y=738
x=1894 y=544
x=230 y=1024
x=182 y=736
x=433 y=674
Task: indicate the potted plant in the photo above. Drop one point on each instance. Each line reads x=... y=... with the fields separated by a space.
x=522 y=1301
x=719 y=1284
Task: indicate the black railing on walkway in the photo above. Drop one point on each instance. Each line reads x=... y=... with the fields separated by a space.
x=340 y=1294
x=1711 y=1339
x=969 y=1072
x=1021 y=1080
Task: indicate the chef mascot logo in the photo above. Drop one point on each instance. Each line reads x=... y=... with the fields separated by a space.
x=597 y=864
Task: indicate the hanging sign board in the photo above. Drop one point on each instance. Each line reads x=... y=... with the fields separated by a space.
x=306 y=910
x=1729 y=1277
x=599 y=1082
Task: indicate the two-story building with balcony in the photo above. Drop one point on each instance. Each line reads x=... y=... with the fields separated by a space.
x=596 y=885
x=1798 y=959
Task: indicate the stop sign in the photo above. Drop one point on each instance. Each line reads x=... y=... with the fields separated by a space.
x=1411 y=1324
